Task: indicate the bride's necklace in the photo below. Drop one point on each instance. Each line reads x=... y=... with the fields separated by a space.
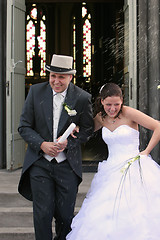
x=113 y=121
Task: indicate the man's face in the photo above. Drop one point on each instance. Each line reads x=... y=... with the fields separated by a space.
x=59 y=82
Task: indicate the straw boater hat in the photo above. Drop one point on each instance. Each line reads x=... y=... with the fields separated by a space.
x=61 y=64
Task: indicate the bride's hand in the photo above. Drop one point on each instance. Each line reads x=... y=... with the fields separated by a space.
x=143 y=153
x=75 y=130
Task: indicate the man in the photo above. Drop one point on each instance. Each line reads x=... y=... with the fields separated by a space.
x=52 y=171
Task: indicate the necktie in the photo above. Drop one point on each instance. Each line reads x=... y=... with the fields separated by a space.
x=57 y=108
x=58 y=101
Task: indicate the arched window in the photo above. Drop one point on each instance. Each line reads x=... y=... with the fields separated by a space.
x=86 y=38
x=36 y=41
x=30 y=45
x=86 y=42
x=74 y=46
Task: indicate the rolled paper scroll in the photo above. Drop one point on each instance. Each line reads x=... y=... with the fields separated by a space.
x=67 y=132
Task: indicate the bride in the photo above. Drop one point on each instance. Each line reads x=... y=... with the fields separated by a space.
x=123 y=202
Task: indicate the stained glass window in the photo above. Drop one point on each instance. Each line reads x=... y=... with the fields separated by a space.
x=30 y=35
x=42 y=46
x=74 y=46
x=86 y=19
x=86 y=43
x=36 y=45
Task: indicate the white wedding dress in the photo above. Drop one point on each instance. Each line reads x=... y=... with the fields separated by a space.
x=121 y=204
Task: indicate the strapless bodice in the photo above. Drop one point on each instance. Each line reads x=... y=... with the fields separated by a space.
x=123 y=141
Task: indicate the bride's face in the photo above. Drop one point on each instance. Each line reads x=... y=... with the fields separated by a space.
x=112 y=105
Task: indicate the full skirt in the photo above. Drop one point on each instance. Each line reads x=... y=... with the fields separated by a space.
x=123 y=203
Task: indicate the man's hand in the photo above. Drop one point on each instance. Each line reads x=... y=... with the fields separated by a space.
x=61 y=145
x=50 y=148
x=74 y=131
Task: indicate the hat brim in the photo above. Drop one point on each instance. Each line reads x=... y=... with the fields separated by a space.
x=60 y=70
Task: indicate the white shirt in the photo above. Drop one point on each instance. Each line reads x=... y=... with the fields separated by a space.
x=58 y=100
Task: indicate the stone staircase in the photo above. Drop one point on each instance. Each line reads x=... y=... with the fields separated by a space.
x=16 y=217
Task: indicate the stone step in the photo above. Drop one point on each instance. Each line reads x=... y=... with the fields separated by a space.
x=16 y=217
x=12 y=200
x=90 y=166
x=17 y=234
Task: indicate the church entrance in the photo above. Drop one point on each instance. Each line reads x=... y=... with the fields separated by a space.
x=96 y=34
x=93 y=33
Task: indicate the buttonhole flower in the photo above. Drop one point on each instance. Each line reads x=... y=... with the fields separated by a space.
x=70 y=111
x=158 y=87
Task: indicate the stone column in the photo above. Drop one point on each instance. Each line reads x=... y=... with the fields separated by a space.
x=154 y=65
x=3 y=17
x=143 y=65
x=148 y=65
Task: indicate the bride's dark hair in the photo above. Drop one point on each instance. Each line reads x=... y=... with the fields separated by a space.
x=107 y=90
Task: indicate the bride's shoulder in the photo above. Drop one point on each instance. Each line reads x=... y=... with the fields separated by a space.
x=132 y=114
x=128 y=110
x=129 y=113
x=98 y=121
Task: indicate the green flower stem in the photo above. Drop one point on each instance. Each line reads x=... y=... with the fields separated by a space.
x=128 y=164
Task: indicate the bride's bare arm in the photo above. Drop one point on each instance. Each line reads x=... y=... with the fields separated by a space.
x=147 y=122
x=97 y=122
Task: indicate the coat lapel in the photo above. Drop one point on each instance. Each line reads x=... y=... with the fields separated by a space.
x=70 y=100
x=47 y=107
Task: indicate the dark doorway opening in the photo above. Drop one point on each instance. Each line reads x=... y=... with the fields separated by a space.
x=107 y=50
